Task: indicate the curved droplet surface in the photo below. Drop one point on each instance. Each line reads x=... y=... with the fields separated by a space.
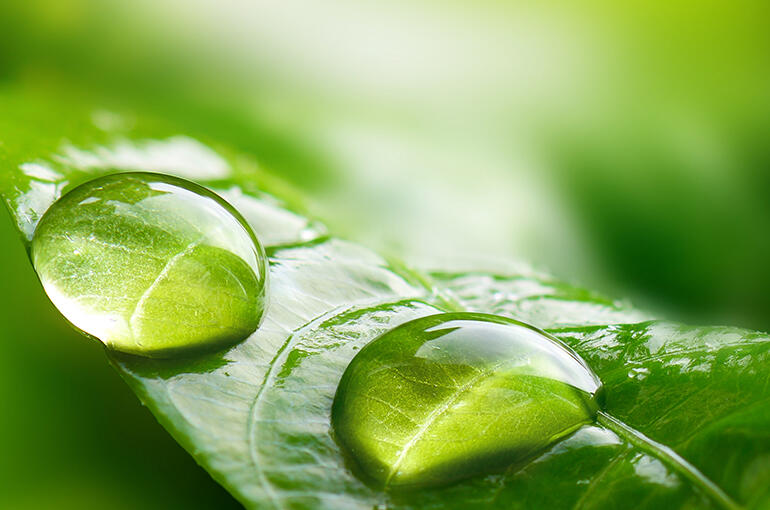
x=151 y=265
x=449 y=396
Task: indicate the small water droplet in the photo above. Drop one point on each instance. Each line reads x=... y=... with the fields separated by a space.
x=453 y=395
x=151 y=264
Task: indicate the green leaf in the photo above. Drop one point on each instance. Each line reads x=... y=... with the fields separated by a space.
x=686 y=421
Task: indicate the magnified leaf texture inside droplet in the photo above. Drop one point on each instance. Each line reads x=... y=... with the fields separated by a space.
x=151 y=264
x=451 y=395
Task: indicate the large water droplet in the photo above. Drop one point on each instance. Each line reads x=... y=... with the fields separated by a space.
x=448 y=396
x=151 y=264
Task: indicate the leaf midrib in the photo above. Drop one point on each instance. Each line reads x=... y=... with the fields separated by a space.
x=165 y=270
x=668 y=456
x=438 y=411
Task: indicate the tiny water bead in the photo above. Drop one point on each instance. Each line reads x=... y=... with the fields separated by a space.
x=151 y=265
x=452 y=395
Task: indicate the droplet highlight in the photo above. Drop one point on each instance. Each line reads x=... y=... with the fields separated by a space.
x=453 y=395
x=151 y=265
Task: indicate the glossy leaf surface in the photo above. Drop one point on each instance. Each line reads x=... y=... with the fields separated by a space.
x=257 y=415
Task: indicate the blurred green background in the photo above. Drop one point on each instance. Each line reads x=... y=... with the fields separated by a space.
x=624 y=147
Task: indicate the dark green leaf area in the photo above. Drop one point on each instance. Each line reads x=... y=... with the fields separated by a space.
x=703 y=392
x=452 y=395
x=151 y=265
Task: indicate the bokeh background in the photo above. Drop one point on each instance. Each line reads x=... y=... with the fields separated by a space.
x=624 y=146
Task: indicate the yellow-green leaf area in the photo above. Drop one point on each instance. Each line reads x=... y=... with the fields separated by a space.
x=151 y=265
x=453 y=395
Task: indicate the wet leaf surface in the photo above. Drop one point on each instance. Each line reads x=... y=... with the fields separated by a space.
x=257 y=415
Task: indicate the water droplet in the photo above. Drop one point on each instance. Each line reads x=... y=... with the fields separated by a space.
x=452 y=395
x=151 y=265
